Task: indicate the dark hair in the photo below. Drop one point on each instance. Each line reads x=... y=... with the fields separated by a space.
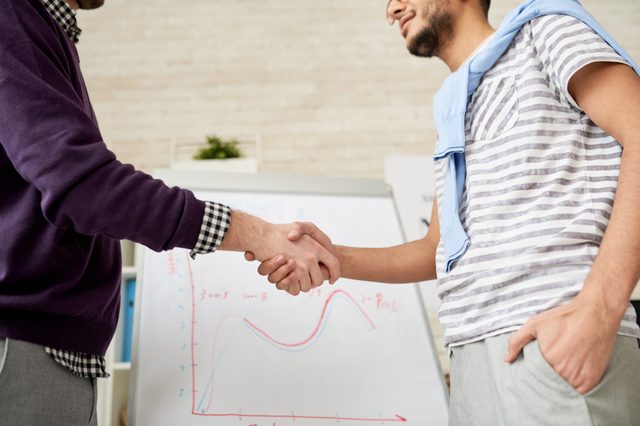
x=485 y=6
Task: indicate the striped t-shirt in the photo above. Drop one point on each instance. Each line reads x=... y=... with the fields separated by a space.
x=541 y=179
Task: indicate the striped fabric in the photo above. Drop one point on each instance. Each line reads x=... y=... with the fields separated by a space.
x=541 y=179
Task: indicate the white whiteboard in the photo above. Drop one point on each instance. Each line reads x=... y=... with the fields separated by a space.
x=218 y=345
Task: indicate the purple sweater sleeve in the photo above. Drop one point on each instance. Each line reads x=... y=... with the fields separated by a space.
x=51 y=137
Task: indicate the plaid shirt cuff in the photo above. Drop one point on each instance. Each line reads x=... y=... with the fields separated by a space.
x=215 y=225
x=80 y=364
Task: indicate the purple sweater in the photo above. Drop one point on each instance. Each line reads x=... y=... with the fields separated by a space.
x=65 y=201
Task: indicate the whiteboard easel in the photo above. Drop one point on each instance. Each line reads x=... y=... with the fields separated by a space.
x=216 y=344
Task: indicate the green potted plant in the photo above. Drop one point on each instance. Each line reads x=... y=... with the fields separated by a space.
x=221 y=155
x=218 y=149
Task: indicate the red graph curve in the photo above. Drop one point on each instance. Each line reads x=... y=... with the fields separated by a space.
x=318 y=325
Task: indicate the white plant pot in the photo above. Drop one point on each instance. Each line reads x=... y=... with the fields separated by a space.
x=236 y=165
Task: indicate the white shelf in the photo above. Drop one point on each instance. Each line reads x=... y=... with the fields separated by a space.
x=113 y=393
x=121 y=366
x=129 y=272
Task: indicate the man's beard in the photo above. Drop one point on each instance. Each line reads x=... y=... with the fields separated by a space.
x=90 y=4
x=438 y=32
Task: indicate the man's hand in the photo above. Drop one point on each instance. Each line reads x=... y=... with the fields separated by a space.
x=283 y=273
x=577 y=340
x=306 y=259
x=267 y=241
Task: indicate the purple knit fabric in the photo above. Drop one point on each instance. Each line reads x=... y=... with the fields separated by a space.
x=65 y=200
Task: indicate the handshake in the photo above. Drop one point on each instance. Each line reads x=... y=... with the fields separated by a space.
x=296 y=257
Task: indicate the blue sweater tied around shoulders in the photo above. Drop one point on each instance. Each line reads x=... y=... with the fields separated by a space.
x=450 y=105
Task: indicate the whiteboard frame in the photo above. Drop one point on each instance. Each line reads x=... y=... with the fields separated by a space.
x=268 y=183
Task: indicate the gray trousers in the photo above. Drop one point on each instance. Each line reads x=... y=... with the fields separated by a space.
x=35 y=390
x=485 y=390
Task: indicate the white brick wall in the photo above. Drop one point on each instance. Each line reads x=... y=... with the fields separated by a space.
x=327 y=86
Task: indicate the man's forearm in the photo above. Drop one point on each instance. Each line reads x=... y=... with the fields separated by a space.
x=608 y=93
x=406 y=263
x=244 y=232
x=617 y=267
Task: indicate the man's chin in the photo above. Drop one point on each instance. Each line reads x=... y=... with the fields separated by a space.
x=421 y=51
x=422 y=54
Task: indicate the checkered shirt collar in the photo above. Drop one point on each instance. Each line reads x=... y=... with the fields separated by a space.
x=65 y=16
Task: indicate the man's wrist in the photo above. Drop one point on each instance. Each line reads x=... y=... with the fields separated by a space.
x=246 y=233
x=612 y=300
x=344 y=256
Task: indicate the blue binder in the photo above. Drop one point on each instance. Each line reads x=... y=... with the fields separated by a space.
x=128 y=306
